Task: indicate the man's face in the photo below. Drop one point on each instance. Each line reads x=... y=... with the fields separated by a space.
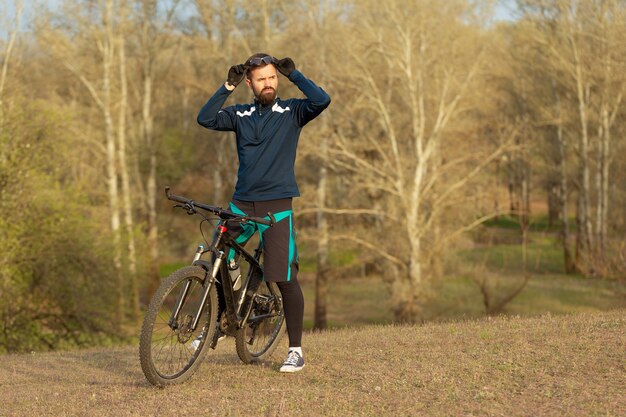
x=264 y=83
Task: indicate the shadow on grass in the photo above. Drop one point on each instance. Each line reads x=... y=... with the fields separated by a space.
x=121 y=366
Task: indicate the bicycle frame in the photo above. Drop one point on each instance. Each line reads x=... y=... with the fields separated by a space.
x=237 y=311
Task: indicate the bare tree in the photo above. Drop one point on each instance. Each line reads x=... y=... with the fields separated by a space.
x=318 y=16
x=581 y=40
x=155 y=42
x=98 y=24
x=225 y=42
x=415 y=71
x=611 y=18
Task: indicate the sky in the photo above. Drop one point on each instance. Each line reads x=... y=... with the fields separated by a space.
x=504 y=10
x=7 y=15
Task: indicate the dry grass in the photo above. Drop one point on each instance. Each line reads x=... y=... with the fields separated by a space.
x=570 y=365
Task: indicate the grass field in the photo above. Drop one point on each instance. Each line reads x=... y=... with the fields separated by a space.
x=559 y=349
x=565 y=365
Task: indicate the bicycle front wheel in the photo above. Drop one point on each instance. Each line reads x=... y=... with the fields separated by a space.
x=170 y=349
x=260 y=336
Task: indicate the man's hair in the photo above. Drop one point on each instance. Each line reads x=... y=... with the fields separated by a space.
x=257 y=55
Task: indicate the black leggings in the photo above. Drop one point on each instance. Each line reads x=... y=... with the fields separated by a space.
x=293 y=304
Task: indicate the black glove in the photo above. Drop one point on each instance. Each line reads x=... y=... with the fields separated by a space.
x=285 y=66
x=236 y=73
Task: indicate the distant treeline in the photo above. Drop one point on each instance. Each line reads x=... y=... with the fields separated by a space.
x=441 y=119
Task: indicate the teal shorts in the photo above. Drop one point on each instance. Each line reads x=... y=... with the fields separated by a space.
x=280 y=253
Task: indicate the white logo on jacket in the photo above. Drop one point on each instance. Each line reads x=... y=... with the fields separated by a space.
x=275 y=108
x=279 y=109
x=247 y=112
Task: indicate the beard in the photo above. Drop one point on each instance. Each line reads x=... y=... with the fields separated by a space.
x=266 y=96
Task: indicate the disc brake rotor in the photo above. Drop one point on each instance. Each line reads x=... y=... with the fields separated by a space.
x=184 y=331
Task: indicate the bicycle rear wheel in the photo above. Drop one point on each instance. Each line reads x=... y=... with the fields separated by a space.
x=166 y=352
x=260 y=336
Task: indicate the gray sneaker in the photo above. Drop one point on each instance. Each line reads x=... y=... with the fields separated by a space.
x=195 y=344
x=293 y=363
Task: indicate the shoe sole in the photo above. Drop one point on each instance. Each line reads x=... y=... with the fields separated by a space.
x=291 y=369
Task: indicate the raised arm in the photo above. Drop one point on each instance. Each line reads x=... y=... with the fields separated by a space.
x=212 y=115
x=316 y=98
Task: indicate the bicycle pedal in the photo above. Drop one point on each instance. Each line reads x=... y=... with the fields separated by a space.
x=262 y=299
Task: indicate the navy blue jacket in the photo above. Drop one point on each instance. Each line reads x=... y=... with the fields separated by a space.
x=267 y=137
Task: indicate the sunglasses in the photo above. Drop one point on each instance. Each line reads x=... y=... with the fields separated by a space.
x=266 y=60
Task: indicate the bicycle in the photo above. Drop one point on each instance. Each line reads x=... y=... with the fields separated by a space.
x=185 y=315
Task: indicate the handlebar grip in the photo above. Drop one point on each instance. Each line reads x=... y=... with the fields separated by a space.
x=260 y=220
x=264 y=221
x=176 y=198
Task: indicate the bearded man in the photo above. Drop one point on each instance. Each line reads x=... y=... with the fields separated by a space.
x=267 y=132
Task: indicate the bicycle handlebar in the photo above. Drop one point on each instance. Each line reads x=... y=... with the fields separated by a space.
x=222 y=213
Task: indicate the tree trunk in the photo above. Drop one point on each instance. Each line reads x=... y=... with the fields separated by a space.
x=147 y=119
x=583 y=232
x=320 y=320
x=406 y=297
x=583 y=238
x=604 y=186
x=525 y=190
x=219 y=170
x=570 y=266
x=511 y=184
x=112 y=172
x=596 y=260
x=125 y=180
x=321 y=278
x=554 y=208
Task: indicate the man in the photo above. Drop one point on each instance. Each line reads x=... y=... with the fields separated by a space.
x=267 y=133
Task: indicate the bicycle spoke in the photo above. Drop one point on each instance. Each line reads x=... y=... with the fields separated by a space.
x=166 y=352
x=171 y=355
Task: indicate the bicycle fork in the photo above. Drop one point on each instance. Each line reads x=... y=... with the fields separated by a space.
x=182 y=296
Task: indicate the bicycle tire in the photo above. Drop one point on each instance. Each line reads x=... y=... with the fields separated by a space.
x=166 y=354
x=256 y=341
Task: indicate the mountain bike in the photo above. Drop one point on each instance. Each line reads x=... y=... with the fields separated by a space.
x=199 y=304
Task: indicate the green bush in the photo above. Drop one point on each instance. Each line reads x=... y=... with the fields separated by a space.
x=57 y=283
